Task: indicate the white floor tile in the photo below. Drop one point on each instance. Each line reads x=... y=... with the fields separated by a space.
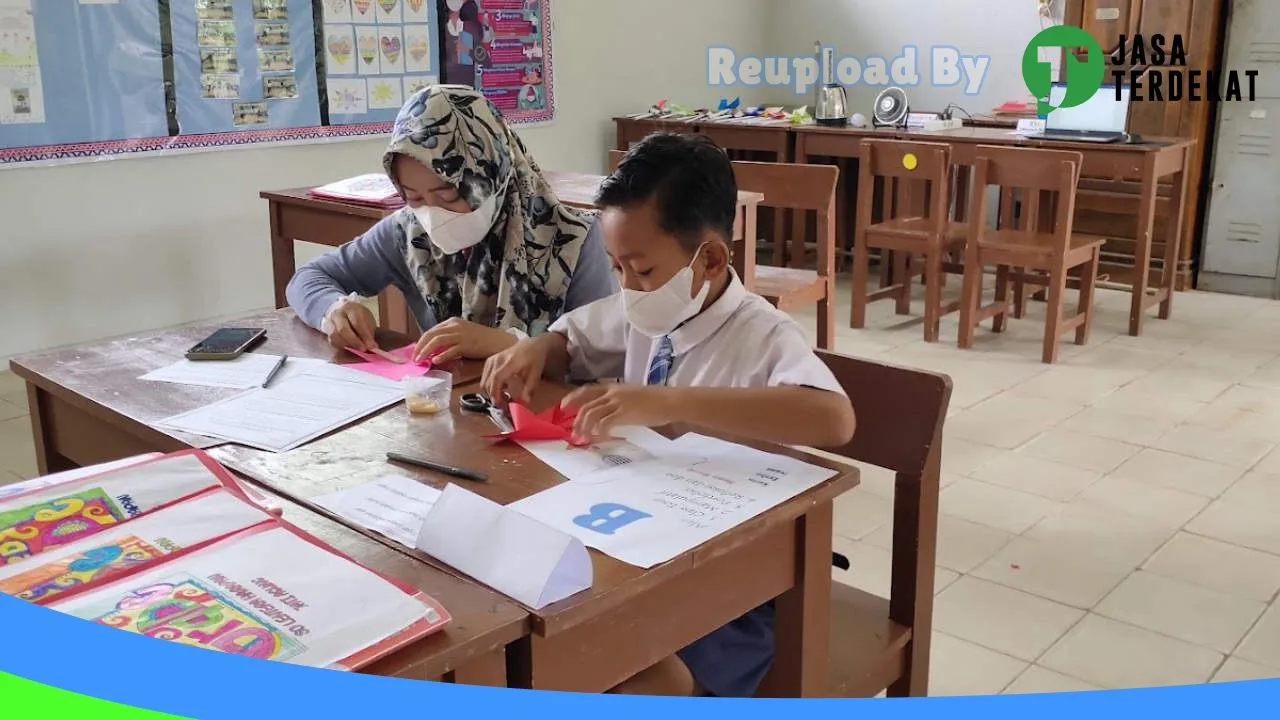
x=1179 y=472
x=1037 y=680
x=1080 y=450
x=1182 y=610
x=1239 y=525
x=1055 y=572
x=962 y=545
x=1099 y=533
x=17 y=453
x=1219 y=566
x=1001 y=618
x=1037 y=476
x=1262 y=644
x=1161 y=505
x=858 y=514
x=1218 y=446
x=1260 y=491
x=1237 y=670
x=994 y=506
x=871 y=568
x=1111 y=654
x=957 y=667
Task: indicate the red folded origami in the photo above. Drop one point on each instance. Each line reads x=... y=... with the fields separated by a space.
x=553 y=424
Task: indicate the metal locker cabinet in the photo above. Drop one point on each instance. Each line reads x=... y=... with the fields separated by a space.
x=1241 y=252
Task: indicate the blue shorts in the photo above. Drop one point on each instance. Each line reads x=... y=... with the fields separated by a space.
x=732 y=660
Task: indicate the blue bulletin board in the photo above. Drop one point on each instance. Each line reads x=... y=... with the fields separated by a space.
x=79 y=73
x=244 y=65
x=92 y=79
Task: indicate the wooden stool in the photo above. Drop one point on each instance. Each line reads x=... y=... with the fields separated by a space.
x=915 y=222
x=1022 y=248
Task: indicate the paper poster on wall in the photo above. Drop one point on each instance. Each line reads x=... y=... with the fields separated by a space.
x=375 y=52
x=55 y=88
x=244 y=65
x=503 y=49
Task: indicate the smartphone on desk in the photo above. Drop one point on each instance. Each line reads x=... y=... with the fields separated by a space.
x=227 y=344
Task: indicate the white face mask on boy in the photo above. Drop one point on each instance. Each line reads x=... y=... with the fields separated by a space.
x=658 y=312
x=454 y=232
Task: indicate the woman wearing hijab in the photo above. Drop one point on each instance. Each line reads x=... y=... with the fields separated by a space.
x=483 y=251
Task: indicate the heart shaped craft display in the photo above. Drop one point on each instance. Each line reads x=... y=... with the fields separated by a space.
x=363 y=6
x=340 y=48
x=388 y=6
x=337 y=7
x=553 y=424
x=415 y=5
x=418 y=48
x=368 y=49
x=391 y=49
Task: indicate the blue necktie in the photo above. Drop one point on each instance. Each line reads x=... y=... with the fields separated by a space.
x=660 y=365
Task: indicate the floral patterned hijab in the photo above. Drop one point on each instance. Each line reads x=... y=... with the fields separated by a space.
x=518 y=275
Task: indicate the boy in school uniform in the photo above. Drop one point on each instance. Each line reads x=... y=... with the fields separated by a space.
x=690 y=345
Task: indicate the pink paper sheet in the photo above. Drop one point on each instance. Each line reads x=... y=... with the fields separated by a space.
x=380 y=366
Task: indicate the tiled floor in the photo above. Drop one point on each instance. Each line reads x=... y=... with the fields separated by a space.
x=1110 y=521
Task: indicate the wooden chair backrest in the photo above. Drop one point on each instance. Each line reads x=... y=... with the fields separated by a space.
x=1037 y=190
x=802 y=188
x=910 y=179
x=900 y=417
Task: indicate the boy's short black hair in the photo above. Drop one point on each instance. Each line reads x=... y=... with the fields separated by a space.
x=690 y=179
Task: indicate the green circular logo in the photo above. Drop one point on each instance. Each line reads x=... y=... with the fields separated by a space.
x=1083 y=78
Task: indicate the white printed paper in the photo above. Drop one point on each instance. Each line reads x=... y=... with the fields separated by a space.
x=268 y=595
x=417 y=48
x=385 y=93
x=292 y=411
x=123 y=547
x=247 y=371
x=635 y=444
x=348 y=97
x=515 y=555
x=649 y=512
x=395 y=506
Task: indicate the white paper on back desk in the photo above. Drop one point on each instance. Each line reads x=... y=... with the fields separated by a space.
x=295 y=409
x=649 y=512
x=511 y=553
x=393 y=505
x=247 y=371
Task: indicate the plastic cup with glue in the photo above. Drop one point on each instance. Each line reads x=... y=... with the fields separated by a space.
x=428 y=394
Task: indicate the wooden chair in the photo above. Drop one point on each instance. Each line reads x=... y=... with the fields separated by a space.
x=1023 y=248
x=803 y=189
x=915 y=223
x=876 y=643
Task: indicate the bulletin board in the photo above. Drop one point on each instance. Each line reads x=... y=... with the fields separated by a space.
x=84 y=80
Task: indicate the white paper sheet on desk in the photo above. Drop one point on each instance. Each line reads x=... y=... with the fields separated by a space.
x=247 y=371
x=292 y=411
x=515 y=555
x=635 y=444
x=393 y=505
x=649 y=512
x=68 y=476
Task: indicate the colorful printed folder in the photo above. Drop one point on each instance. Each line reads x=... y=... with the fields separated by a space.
x=176 y=549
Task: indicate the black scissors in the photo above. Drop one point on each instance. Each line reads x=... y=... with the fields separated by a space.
x=478 y=403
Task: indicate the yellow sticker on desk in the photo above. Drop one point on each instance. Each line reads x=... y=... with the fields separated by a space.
x=909 y=161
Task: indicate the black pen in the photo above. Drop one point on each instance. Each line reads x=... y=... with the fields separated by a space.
x=275 y=370
x=446 y=469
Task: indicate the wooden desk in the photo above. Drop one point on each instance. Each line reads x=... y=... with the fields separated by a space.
x=87 y=406
x=1146 y=164
x=579 y=190
x=471 y=650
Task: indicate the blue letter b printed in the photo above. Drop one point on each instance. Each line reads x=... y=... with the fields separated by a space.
x=608 y=518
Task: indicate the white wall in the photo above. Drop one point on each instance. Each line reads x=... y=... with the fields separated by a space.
x=110 y=248
x=861 y=28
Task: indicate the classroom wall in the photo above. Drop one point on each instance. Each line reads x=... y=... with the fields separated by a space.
x=861 y=28
x=109 y=248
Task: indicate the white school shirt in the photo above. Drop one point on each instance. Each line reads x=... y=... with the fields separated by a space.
x=739 y=341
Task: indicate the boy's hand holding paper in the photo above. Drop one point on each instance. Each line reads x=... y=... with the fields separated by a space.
x=455 y=339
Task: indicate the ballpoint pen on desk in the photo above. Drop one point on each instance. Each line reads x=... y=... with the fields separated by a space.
x=429 y=465
x=275 y=370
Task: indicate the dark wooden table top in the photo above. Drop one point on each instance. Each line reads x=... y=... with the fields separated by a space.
x=483 y=620
x=994 y=135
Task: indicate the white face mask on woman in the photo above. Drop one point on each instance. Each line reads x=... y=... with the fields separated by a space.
x=454 y=232
x=658 y=312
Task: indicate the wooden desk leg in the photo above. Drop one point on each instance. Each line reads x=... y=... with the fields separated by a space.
x=1142 y=246
x=489 y=670
x=803 y=616
x=745 y=263
x=1172 y=239
x=47 y=460
x=283 y=260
